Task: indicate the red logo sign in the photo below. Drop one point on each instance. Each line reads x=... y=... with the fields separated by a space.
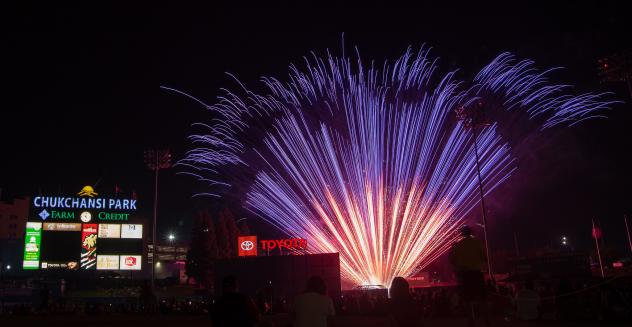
x=130 y=261
x=290 y=244
x=247 y=246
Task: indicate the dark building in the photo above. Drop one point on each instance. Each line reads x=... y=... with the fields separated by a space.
x=170 y=262
x=552 y=265
x=281 y=276
x=13 y=217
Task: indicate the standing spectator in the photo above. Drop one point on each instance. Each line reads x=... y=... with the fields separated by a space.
x=62 y=288
x=353 y=307
x=468 y=257
x=313 y=307
x=147 y=298
x=528 y=303
x=564 y=300
x=548 y=302
x=44 y=298
x=366 y=307
x=234 y=309
x=401 y=308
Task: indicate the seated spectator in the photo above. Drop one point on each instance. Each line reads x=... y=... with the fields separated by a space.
x=313 y=307
x=234 y=309
x=401 y=307
x=528 y=303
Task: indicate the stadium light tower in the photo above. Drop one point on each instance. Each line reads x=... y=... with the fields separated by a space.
x=156 y=160
x=617 y=68
x=473 y=117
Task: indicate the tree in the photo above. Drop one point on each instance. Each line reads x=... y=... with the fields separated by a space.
x=228 y=233
x=203 y=250
x=223 y=237
x=244 y=229
x=233 y=231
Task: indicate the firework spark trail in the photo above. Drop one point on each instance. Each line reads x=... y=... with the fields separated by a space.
x=373 y=164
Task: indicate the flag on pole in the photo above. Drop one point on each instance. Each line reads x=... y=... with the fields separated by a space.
x=596 y=231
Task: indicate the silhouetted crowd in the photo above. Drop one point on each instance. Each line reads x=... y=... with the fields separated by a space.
x=560 y=300
x=567 y=301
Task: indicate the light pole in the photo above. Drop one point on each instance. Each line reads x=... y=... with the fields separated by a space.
x=473 y=118
x=156 y=160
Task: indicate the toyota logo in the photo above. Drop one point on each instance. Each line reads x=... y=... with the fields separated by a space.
x=247 y=245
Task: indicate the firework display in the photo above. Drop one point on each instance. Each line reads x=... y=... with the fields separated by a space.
x=372 y=162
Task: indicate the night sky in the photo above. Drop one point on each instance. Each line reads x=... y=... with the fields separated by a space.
x=81 y=99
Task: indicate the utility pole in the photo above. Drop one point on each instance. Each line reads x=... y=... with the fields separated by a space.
x=473 y=118
x=156 y=160
x=627 y=229
x=516 y=244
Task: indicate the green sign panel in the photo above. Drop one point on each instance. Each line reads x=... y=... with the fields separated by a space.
x=32 y=242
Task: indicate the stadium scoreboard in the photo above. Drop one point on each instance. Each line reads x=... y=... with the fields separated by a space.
x=83 y=232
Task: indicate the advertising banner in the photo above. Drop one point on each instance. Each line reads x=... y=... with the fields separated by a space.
x=131 y=231
x=130 y=262
x=32 y=241
x=109 y=231
x=107 y=262
x=89 y=246
x=166 y=257
x=72 y=265
x=62 y=227
x=182 y=249
x=165 y=248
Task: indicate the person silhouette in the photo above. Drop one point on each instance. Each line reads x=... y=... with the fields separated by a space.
x=468 y=257
x=401 y=308
x=234 y=309
x=528 y=302
x=313 y=307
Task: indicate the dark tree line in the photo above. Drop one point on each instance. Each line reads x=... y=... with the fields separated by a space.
x=212 y=239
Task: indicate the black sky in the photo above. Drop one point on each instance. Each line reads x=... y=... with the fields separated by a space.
x=81 y=99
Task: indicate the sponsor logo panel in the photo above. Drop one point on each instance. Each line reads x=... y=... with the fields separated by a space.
x=109 y=231
x=62 y=227
x=107 y=262
x=130 y=262
x=89 y=246
x=32 y=241
x=131 y=231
